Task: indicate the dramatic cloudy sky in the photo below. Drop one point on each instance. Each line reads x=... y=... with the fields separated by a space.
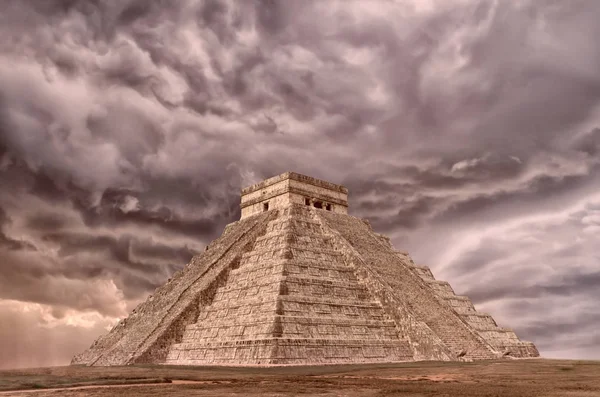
x=467 y=130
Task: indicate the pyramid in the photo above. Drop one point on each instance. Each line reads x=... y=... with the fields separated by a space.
x=299 y=281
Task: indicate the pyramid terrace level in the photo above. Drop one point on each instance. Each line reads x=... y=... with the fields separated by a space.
x=292 y=188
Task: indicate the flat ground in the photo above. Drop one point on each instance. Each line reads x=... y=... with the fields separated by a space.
x=514 y=378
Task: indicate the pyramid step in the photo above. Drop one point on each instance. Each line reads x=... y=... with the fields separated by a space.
x=296 y=340
x=278 y=265
x=437 y=282
x=291 y=251
x=328 y=281
x=304 y=285
x=262 y=280
x=262 y=255
x=251 y=320
x=292 y=304
x=294 y=283
x=244 y=321
x=404 y=256
x=499 y=333
x=251 y=266
x=269 y=242
x=251 y=327
x=271 y=301
x=256 y=304
x=295 y=221
x=480 y=321
x=241 y=320
x=464 y=310
x=458 y=298
x=328 y=306
x=292 y=351
x=461 y=304
x=321 y=273
x=315 y=253
x=366 y=328
x=424 y=272
x=287 y=235
x=301 y=264
x=338 y=264
x=441 y=288
x=327 y=300
x=478 y=314
x=233 y=295
x=292 y=340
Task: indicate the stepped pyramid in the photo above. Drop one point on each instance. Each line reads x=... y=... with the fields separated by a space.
x=298 y=281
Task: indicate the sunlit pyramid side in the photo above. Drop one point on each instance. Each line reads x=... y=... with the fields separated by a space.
x=298 y=281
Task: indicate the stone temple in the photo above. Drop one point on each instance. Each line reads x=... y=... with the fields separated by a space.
x=299 y=281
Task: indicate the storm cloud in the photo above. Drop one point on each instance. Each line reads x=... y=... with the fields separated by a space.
x=466 y=130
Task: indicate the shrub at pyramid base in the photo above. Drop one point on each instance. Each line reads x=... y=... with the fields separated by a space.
x=298 y=281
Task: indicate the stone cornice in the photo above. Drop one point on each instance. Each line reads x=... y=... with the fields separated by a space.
x=296 y=177
x=292 y=189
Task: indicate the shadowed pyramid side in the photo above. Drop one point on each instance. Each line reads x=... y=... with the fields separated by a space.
x=155 y=324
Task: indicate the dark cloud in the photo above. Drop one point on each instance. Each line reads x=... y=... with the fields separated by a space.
x=8 y=243
x=566 y=286
x=468 y=131
x=589 y=143
x=30 y=278
x=113 y=210
x=46 y=222
x=546 y=332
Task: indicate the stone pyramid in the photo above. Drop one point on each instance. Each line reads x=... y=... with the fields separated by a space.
x=298 y=281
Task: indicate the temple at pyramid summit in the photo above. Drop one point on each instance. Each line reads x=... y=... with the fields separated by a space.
x=299 y=281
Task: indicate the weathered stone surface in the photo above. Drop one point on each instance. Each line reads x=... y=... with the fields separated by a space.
x=293 y=284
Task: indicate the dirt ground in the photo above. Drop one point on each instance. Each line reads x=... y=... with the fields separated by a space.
x=510 y=378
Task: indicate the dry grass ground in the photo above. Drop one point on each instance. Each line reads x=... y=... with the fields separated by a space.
x=526 y=378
